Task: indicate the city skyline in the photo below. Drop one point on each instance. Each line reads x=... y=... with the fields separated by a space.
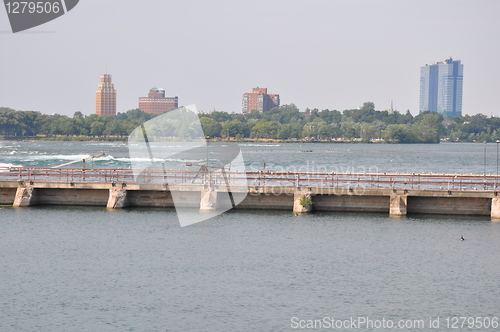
x=308 y=51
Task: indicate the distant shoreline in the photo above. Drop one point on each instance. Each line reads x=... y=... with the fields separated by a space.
x=249 y=140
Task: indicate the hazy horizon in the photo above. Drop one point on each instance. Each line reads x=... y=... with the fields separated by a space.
x=315 y=53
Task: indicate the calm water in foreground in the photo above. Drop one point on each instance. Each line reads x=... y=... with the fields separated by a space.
x=89 y=269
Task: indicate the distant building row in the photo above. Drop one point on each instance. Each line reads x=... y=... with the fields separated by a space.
x=441 y=90
x=154 y=103
x=157 y=103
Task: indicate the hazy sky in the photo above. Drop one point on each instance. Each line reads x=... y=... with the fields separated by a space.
x=314 y=53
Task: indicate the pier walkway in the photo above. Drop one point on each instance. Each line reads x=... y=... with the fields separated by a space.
x=256 y=178
x=398 y=194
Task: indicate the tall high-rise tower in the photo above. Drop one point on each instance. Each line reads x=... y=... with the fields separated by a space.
x=105 y=97
x=441 y=86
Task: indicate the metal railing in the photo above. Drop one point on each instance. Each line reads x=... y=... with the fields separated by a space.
x=297 y=179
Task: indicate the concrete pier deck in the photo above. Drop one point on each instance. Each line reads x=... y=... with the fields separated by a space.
x=395 y=194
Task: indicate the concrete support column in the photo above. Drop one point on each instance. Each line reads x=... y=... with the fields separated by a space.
x=495 y=207
x=398 y=205
x=117 y=199
x=302 y=203
x=25 y=196
x=208 y=200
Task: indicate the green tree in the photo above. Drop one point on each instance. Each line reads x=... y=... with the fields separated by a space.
x=219 y=116
x=233 y=128
x=368 y=107
x=210 y=127
x=399 y=133
x=428 y=127
x=265 y=129
x=328 y=131
x=97 y=128
x=78 y=115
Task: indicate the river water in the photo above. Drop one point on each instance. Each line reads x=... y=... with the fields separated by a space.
x=451 y=158
x=90 y=269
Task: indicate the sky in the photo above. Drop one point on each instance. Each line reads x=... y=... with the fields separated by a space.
x=324 y=54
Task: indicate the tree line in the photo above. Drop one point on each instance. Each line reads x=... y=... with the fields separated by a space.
x=29 y=124
x=284 y=123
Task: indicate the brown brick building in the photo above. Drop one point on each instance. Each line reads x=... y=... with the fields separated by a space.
x=259 y=100
x=105 y=97
x=157 y=103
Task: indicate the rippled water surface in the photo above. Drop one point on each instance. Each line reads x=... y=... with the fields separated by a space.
x=88 y=269
x=334 y=157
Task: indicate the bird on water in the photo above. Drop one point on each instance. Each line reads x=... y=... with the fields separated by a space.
x=462 y=238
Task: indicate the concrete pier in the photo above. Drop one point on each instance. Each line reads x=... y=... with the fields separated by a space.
x=117 y=199
x=25 y=196
x=302 y=202
x=495 y=207
x=208 y=200
x=393 y=194
x=398 y=205
x=286 y=198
